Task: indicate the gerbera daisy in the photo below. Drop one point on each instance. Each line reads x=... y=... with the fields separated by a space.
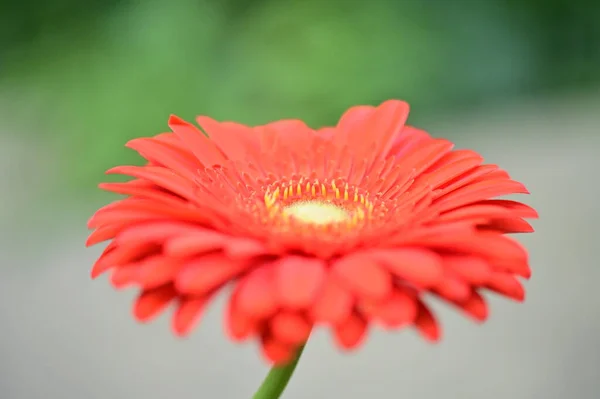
x=344 y=227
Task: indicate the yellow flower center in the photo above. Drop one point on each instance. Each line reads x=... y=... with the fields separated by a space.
x=316 y=212
x=319 y=204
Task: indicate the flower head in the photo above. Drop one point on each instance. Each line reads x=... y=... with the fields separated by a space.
x=344 y=227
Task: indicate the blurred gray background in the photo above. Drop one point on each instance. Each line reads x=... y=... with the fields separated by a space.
x=504 y=78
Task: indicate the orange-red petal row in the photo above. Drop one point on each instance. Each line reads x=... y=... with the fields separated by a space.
x=347 y=227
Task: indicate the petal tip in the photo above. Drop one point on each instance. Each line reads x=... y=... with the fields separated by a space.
x=97 y=272
x=433 y=337
x=180 y=331
x=133 y=142
x=113 y=171
x=401 y=104
x=175 y=120
x=90 y=224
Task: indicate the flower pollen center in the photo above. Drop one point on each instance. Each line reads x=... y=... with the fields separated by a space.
x=322 y=204
x=316 y=212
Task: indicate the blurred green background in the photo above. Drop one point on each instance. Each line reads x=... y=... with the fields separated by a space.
x=516 y=80
x=82 y=78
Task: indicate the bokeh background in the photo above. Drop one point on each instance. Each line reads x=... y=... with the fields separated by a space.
x=518 y=80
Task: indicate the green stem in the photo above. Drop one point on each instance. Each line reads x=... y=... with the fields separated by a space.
x=277 y=379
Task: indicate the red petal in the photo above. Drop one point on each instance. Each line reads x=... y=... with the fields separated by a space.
x=158 y=270
x=104 y=233
x=420 y=267
x=160 y=176
x=495 y=173
x=499 y=250
x=166 y=155
x=207 y=273
x=244 y=248
x=479 y=191
x=520 y=267
x=355 y=116
x=422 y=157
x=172 y=140
x=409 y=138
x=125 y=276
x=158 y=232
x=256 y=293
x=276 y=351
x=203 y=148
x=393 y=183
x=426 y=324
x=333 y=304
x=150 y=303
x=445 y=173
x=198 y=242
x=471 y=269
x=383 y=125
x=283 y=138
x=453 y=288
x=122 y=255
x=235 y=140
x=475 y=306
x=144 y=210
x=147 y=190
x=237 y=324
x=107 y=250
x=290 y=327
x=187 y=314
x=397 y=310
x=351 y=332
x=124 y=217
x=361 y=274
x=103 y=263
x=474 y=212
x=482 y=172
x=454 y=157
x=507 y=285
x=517 y=208
x=509 y=225
x=298 y=280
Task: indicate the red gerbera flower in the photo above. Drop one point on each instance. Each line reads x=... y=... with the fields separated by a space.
x=344 y=227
